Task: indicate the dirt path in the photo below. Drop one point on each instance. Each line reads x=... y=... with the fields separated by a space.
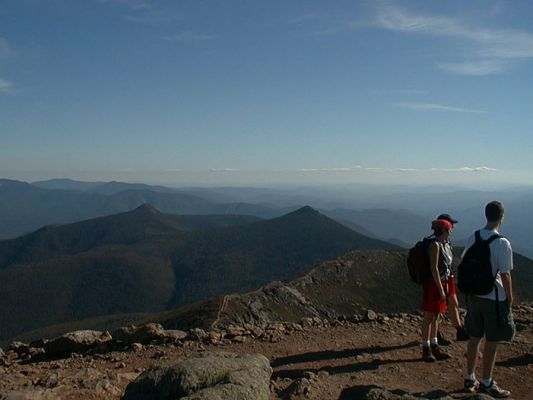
x=387 y=356
x=338 y=360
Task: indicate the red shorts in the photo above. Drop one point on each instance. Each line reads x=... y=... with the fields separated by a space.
x=431 y=301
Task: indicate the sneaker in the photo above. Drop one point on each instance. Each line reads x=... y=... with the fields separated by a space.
x=462 y=335
x=426 y=354
x=442 y=340
x=471 y=385
x=494 y=390
x=438 y=353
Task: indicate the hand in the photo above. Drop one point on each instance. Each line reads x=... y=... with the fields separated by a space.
x=442 y=295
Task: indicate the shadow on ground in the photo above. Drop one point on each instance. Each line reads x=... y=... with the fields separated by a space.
x=361 y=392
x=520 y=361
x=335 y=355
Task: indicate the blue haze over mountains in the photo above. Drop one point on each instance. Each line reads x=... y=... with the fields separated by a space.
x=400 y=214
x=147 y=261
x=113 y=250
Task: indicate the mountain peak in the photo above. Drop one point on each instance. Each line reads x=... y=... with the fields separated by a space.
x=146 y=209
x=305 y=211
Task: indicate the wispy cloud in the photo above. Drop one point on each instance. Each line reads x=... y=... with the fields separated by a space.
x=400 y=91
x=223 y=170
x=460 y=170
x=5 y=86
x=437 y=107
x=402 y=170
x=133 y=4
x=146 y=12
x=492 y=50
x=477 y=169
x=306 y=17
x=188 y=36
x=476 y=68
x=332 y=169
x=151 y=17
x=321 y=23
x=5 y=48
x=341 y=169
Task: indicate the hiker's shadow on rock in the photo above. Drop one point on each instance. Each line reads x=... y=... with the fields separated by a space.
x=333 y=354
x=520 y=361
x=361 y=392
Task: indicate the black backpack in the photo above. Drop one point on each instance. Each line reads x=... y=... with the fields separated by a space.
x=474 y=274
x=418 y=261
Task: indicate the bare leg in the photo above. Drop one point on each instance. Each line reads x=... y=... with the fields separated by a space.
x=453 y=311
x=472 y=350
x=489 y=358
x=434 y=326
x=427 y=325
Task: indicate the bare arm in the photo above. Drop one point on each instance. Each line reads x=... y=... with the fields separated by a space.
x=508 y=286
x=434 y=266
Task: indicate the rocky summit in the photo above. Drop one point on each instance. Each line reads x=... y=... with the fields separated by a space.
x=370 y=355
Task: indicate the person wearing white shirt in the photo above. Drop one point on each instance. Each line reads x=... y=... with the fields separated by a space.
x=490 y=315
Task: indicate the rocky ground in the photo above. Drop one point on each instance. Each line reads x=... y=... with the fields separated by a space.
x=315 y=359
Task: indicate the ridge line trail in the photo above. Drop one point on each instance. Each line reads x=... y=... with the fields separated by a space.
x=221 y=310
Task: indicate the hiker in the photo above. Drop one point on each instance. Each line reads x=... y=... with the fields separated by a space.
x=453 y=303
x=489 y=315
x=435 y=289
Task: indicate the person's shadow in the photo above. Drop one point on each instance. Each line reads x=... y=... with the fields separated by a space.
x=520 y=361
x=361 y=392
x=335 y=355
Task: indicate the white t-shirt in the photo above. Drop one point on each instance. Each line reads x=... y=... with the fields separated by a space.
x=501 y=258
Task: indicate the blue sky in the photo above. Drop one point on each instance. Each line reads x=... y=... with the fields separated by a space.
x=248 y=92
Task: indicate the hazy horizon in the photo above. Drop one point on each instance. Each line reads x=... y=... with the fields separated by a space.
x=240 y=93
x=341 y=185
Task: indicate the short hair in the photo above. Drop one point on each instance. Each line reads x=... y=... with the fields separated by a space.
x=494 y=211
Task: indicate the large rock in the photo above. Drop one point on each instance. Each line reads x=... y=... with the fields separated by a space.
x=175 y=335
x=19 y=348
x=209 y=376
x=75 y=342
x=140 y=334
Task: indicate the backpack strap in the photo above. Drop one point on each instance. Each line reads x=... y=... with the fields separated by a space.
x=493 y=238
x=497 y=298
x=478 y=236
x=496 y=292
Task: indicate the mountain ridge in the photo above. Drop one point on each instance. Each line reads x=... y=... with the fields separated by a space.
x=118 y=277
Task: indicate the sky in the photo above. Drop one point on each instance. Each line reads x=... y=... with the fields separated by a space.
x=257 y=92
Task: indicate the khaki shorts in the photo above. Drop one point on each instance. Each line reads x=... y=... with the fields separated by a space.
x=482 y=320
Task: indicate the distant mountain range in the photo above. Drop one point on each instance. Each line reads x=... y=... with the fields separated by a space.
x=26 y=207
x=398 y=214
x=147 y=261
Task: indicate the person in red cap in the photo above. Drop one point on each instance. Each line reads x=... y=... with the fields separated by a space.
x=453 y=303
x=435 y=290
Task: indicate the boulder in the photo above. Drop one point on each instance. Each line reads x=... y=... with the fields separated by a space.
x=175 y=335
x=197 y=334
x=19 y=348
x=75 y=342
x=209 y=376
x=140 y=334
x=371 y=315
x=297 y=389
x=28 y=395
